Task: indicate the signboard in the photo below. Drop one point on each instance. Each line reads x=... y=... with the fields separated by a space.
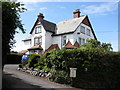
x=73 y=72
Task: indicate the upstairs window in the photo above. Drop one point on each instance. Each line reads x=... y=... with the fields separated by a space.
x=82 y=29
x=64 y=40
x=81 y=41
x=38 y=29
x=88 y=32
x=38 y=41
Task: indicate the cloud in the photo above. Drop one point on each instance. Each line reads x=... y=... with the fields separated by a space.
x=102 y=9
x=43 y=8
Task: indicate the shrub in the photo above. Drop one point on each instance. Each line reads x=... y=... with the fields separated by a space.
x=33 y=60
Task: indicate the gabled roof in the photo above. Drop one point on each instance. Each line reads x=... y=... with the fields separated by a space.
x=69 y=45
x=37 y=47
x=48 y=26
x=69 y=25
x=76 y=44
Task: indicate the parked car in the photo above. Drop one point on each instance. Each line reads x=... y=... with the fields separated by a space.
x=25 y=59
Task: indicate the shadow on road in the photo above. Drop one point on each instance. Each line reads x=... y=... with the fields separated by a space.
x=11 y=82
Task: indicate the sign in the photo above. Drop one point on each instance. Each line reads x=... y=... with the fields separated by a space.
x=73 y=72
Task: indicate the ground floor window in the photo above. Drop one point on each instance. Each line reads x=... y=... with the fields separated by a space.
x=81 y=41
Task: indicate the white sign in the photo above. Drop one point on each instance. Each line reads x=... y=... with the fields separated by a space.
x=73 y=72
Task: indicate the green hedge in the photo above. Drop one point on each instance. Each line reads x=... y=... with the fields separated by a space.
x=103 y=67
x=33 y=60
x=13 y=58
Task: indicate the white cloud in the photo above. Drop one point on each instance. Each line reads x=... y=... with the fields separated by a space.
x=102 y=9
x=43 y=8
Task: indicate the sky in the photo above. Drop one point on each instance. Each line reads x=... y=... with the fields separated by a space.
x=102 y=15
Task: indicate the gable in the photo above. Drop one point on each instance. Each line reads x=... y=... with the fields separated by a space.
x=87 y=22
x=48 y=26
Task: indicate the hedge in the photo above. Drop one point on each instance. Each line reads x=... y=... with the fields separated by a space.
x=13 y=58
x=95 y=68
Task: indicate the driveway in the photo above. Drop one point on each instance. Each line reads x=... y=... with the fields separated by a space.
x=12 y=78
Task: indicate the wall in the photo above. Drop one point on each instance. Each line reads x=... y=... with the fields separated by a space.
x=48 y=40
x=27 y=44
x=56 y=40
x=39 y=35
x=81 y=35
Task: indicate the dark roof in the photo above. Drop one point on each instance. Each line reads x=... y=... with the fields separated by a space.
x=37 y=47
x=48 y=26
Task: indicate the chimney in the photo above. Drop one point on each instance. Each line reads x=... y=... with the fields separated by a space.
x=40 y=16
x=76 y=13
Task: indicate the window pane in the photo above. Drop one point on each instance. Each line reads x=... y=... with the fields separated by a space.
x=64 y=40
x=82 y=29
x=38 y=29
x=88 y=32
x=38 y=41
x=80 y=41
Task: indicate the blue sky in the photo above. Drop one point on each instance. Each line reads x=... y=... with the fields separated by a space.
x=103 y=17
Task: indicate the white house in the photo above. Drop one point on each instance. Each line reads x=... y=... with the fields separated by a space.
x=71 y=33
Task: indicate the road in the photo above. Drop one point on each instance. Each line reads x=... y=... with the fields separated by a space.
x=12 y=78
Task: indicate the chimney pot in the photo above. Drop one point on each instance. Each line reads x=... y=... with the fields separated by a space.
x=40 y=15
x=76 y=13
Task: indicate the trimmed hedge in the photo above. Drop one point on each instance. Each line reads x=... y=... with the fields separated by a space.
x=13 y=58
x=96 y=68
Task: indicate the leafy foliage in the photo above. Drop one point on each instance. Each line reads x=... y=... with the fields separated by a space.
x=10 y=22
x=33 y=60
x=92 y=43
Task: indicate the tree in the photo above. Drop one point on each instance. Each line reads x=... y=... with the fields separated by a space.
x=92 y=43
x=10 y=22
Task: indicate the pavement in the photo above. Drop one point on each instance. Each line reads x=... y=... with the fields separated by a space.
x=12 y=78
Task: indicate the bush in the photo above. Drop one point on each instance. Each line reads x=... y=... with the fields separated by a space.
x=95 y=67
x=33 y=60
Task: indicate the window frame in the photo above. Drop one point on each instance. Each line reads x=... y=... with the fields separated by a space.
x=39 y=41
x=87 y=32
x=81 y=29
x=81 y=40
x=64 y=40
x=38 y=29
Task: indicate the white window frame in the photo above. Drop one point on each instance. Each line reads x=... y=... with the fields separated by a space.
x=88 y=32
x=81 y=41
x=38 y=41
x=38 y=29
x=64 y=40
x=82 y=29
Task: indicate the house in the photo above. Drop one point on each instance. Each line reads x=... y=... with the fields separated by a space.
x=72 y=33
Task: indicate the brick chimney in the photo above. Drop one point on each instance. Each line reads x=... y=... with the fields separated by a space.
x=40 y=16
x=76 y=13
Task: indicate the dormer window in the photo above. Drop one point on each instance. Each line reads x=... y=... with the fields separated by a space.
x=38 y=29
x=82 y=30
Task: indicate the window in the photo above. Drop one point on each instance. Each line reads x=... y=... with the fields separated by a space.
x=81 y=41
x=38 y=29
x=38 y=41
x=88 y=31
x=82 y=29
x=64 y=40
